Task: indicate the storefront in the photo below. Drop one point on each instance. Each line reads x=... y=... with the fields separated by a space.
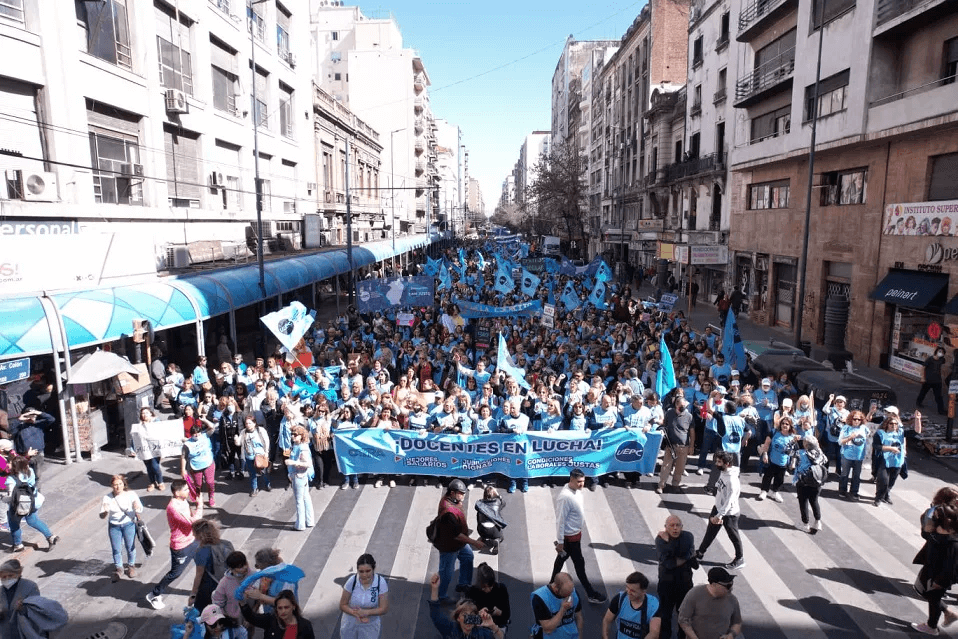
x=918 y=322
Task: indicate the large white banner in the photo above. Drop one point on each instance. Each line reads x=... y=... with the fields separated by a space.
x=157 y=439
x=922 y=218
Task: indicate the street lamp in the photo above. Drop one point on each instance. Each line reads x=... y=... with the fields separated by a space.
x=256 y=179
x=392 y=188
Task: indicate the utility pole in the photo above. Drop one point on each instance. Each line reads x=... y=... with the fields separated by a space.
x=349 y=230
x=256 y=179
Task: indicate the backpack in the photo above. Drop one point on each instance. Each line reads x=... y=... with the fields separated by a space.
x=218 y=554
x=432 y=530
x=814 y=476
x=24 y=499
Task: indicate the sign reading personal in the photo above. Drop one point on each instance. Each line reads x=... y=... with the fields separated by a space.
x=540 y=454
x=378 y=294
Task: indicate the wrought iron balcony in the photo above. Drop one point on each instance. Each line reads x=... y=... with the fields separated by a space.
x=695 y=109
x=719 y=96
x=768 y=79
x=722 y=42
x=754 y=16
x=693 y=167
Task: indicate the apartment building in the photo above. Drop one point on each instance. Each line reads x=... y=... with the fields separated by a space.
x=567 y=83
x=361 y=62
x=883 y=194
x=450 y=163
x=161 y=96
x=534 y=146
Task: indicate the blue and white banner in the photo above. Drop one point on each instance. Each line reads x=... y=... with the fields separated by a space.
x=381 y=293
x=472 y=310
x=405 y=452
x=289 y=324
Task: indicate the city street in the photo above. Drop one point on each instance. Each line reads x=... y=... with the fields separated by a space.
x=853 y=579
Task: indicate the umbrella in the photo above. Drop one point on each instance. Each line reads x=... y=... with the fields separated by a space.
x=98 y=366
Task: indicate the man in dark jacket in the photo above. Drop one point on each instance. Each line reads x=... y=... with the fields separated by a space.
x=453 y=541
x=933 y=366
x=675 y=548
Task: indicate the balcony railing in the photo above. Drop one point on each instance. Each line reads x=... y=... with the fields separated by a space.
x=914 y=90
x=696 y=109
x=752 y=13
x=772 y=73
x=719 y=96
x=890 y=9
x=695 y=166
x=722 y=42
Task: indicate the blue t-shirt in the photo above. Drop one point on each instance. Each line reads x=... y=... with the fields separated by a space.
x=893 y=460
x=779 y=449
x=854 y=449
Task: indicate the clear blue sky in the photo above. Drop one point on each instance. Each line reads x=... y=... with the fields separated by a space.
x=491 y=66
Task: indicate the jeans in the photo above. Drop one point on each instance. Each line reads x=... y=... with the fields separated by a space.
x=154 y=471
x=710 y=442
x=573 y=550
x=773 y=478
x=304 y=505
x=854 y=468
x=122 y=537
x=250 y=466
x=179 y=560
x=447 y=565
x=887 y=476
x=808 y=495
x=730 y=523
x=33 y=520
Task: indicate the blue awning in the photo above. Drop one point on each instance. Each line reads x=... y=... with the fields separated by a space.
x=23 y=327
x=914 y=289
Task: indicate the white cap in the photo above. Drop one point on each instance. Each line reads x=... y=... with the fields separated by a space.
x=786 y=402
x=734 y=372
x=841 y=398
x=735 y=382
x=888 y=409
x=766 y=381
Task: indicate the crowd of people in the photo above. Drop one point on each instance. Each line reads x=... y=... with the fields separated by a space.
x=596 y=368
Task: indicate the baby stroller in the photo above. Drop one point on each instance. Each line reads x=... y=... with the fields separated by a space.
x=489 y=518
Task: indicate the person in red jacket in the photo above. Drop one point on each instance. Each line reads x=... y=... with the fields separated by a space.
x=180 y=515
x=453 y=541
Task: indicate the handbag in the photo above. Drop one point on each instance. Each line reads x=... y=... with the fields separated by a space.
x=260 y=460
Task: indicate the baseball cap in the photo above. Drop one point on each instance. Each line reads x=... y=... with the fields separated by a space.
x=766 y=381
x=888 y=409
x=213 y=613
x=6 y=445
x=735 y=372
x=840 y=398
x=735 y=382
x=717 y=575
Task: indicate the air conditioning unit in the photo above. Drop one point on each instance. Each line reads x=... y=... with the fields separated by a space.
x=133 y=170
x=38 y=186
x=176 y=101
x=177 y=257
x=216 y=179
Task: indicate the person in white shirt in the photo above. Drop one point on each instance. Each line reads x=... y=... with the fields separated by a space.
x=570 y=518
x=726 y=511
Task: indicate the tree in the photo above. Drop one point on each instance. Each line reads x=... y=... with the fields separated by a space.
x=557 y=196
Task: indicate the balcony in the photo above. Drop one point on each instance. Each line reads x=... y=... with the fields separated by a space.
x=420 y=166
x=691 y=168
x=719 y=96
x=757 y=15
x=419 y=146
x=418 y=104
x=418 y=127
x=695 y=109
x=721 y=43
x=772 y=77
x=896 y=16
x=925 y=102
x=419 y=82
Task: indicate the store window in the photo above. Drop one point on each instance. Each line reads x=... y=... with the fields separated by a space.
x=914 y=337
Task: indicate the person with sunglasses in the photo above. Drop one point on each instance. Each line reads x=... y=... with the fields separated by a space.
x=711 y=610
x=852 y=440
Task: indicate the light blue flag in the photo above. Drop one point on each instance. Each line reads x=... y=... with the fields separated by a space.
x=431 y=267
x=445 y=281
x=603 y=273
x=481 y=261
x=462 y=257
x=524 y=250
x=732 y=347
x=569 y=297
x=665 y=376
x=507 y=365
x=552 y=293
x=530 y=283
x=504 y=281
x=552 y=267
x=597 y=296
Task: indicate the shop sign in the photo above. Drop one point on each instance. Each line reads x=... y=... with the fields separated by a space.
x=666 y=251
x=922 y=219
x=907 y=367
x=14 y=370
x=60 y=227
x=682 y=254
x=702 y=255
x=935 y=253
x=650 y=225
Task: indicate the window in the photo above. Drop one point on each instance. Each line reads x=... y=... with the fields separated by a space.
x=282 y=32
x=771 y=125
x=106 y=30
x=173 y=46
x=832 y=96
x=833 y=9
x=255 y=21
x=842 y=187
x=227 y=185
x=183 y=182
x=335 y=35
x=337 y=77
x=678 y=151
x=723 y=31
x=720 y=84
x=777 y=53
x=697 y=51
x=19 y=127
x=12 y=11
x=950 y=61
x=260 y=108
x=225 y=79
x=944 y=177
x=695 y=141
x=768 y=195
x=222 y=5
x=285 y=111
x=115 y=155
x=266 y=190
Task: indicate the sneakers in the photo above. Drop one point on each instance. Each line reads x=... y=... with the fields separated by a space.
x=950 y=617
x=762 y=495
x=379 y=483
x=392 y=483
x=596 y=598
x=52 y=540
x=658 y=490
x=887 y=500
x=525 y=487
x=470 y=486
x=818 y=525
x=700 y=471
x=17 y=548
x=775 y=497
x=924 y=628
x=344 y=485
x=212 y=503
x=512 y=486
x=156 y=601
x=117 y=573
x=735 y=564
x=131 y=571
x=709 y=490
x=805 y=528
x=253 y=493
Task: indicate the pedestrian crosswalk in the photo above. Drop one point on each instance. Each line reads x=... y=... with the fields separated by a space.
x=853 y=579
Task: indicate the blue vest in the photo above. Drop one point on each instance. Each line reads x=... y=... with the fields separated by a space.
x=200 y=452
x=734 y=430
x=631 y=623
x=893 y=460
x=567 y=628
